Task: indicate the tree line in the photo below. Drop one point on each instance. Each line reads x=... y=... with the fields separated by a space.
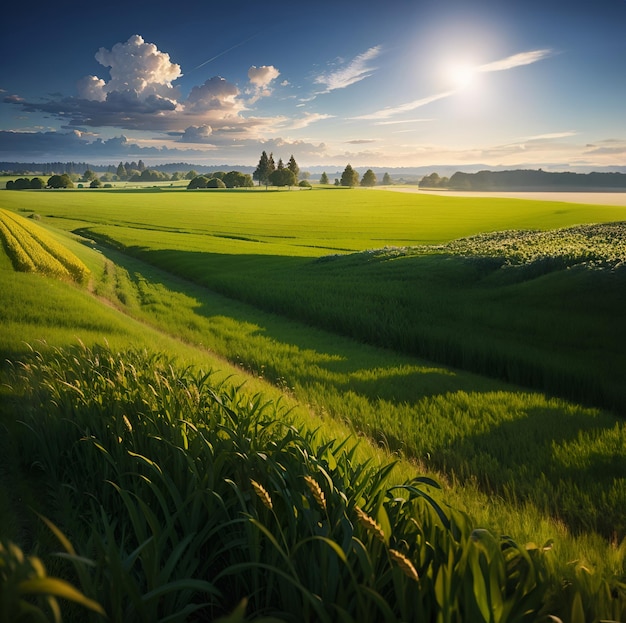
x=525 y=180
x=267 y=172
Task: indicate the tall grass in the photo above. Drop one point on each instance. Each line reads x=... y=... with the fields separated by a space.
x=474 y=430
x=535 y=324
x=179 y=497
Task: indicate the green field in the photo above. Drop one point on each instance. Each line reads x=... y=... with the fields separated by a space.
x=493 y=364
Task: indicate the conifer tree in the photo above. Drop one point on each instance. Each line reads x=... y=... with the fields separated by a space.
x=293 y=167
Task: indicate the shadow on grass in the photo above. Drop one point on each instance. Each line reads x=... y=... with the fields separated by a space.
x=569 y=463
x=268 y=343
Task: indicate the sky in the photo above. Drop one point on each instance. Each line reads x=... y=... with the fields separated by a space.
x=399 y=83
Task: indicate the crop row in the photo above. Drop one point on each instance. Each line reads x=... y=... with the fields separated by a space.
x=182 y=496
x=32 y=249
x=596 y=245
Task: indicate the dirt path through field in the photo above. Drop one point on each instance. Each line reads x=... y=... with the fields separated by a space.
x=608 y=198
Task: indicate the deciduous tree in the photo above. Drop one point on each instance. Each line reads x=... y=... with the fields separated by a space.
x=282 y=177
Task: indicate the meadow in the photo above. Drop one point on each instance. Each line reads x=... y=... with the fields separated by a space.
x=493 y=364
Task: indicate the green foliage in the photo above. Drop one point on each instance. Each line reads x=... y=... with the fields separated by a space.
x=183 y=496
x=264 y=169
x=349 y=177
x=515 y=446
x=215 y=182
x=28 y=593
x=60 y=181
x=199 y=181
x=292 y=165
x=282 y=177
x=369 y=178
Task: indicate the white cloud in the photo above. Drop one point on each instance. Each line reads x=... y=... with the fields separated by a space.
x=136 y=68
x=516 y=60
x=390 y=112
x=261 y=76
x=358 y=69
x=307 y=119
x=260 y=79
x=398 y=121
x=549 y=136
x=92 y=88
x=510 y=62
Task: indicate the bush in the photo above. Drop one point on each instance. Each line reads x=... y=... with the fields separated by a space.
x=200 y=181
x=215 y=182
x=305 y=184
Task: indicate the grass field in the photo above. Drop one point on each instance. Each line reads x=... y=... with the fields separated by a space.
x=282 y=285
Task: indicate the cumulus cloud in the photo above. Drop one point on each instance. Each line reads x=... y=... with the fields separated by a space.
x=92 y=88
x=260 y=79
x=137 y=67
x=139 y=95
x=197 y=134
x=216 y=94
x=356 y=70
x=262 y=76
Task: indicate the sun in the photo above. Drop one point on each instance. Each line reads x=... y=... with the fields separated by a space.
x=460 y=75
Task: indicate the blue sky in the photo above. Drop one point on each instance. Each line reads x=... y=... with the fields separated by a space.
x=395 y=83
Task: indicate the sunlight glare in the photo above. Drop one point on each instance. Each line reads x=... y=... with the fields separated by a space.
x=460 y=75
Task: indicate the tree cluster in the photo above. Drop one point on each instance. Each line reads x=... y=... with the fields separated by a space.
x=433 y=181
x=232 y=179
x=36 y=183
x=350 y=178
x=125 y=171
x=276 y=174
x=23 y=183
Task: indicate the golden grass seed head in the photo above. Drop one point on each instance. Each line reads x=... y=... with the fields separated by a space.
x=370 y=524
x=262 y=493
x=316 y=491
x=404 y=563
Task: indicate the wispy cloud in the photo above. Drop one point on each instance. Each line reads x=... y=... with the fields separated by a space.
x=516 y=60
x=510 y=62
x=358 y=69
x=549 y=136
x=390 y=112
x=398 y=121
x=306 y=120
